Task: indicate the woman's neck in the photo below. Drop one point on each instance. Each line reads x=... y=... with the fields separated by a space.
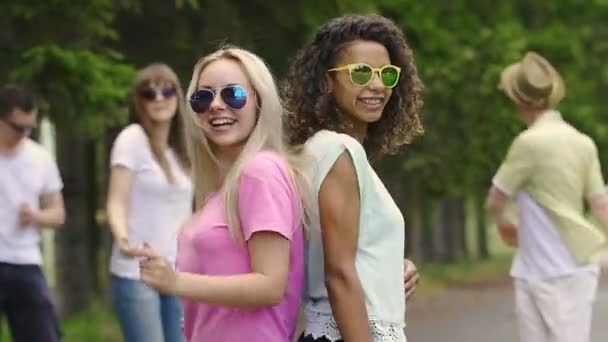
x=226 y=160
x=159 y=133
x=358 y=130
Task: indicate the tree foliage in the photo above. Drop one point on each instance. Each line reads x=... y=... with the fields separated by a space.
x=80 y=56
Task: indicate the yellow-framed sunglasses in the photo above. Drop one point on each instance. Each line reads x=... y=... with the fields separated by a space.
x=361 y=74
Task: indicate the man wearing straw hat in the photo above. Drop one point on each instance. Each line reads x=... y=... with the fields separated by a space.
x=551 y=169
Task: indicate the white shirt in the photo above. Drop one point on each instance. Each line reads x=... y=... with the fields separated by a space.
x=380 y=250
x=157 y=209
x=24 y=178
x=541 y=252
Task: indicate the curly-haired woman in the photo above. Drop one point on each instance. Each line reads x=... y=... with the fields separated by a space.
x=353 y=94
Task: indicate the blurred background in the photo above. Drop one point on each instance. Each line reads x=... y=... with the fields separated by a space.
x=80 y=57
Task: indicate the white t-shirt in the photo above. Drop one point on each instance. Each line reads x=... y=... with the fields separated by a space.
x=541 y=252
x=380 y=249
x=157 y=209
x=24 y=178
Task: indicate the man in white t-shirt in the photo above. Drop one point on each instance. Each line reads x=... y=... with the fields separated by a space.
x=30 y=198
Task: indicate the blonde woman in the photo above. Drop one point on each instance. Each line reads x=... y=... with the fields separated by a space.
x=241 y=262
x=150 y=197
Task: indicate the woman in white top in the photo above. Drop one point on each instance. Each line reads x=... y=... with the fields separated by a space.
x=150 y=197
x=353 y=94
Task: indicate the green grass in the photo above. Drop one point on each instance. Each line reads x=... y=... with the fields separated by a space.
x=439 y=276
x=98 y=324
x=3 y=331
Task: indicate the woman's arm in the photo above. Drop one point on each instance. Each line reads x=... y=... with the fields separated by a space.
x=268 y=222
x=117 y=206
x=264 y=286
x=339 y=209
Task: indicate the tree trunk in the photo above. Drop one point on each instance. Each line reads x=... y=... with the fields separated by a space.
x=103 y=248
x=441 y=236
x=482 y=231
x=410 y=205
x=414 y=237
x=427 y=244
x=464 y=241
x=446 y=232
x=93 y=239
x=450 y=229
x=74 y=272
x=459 y=217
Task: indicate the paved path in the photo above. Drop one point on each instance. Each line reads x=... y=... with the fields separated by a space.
x=482 y=313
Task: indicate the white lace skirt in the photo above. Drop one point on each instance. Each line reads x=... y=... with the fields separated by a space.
x=319 y=324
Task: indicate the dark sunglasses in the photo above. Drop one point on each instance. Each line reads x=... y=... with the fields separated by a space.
x=234 y=96
x=19 y=129
x=361 y=74
x=151 y=94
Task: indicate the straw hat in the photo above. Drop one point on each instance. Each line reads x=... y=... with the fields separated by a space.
x=533 y=83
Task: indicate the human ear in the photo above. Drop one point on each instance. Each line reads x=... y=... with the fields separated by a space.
x=327 y=86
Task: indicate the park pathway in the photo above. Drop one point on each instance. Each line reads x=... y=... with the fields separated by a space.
x=482 y=313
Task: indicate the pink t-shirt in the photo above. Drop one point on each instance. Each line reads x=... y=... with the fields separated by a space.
x=267 y=201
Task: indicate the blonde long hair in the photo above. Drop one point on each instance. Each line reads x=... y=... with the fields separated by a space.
x=158 y=73
x=267 y=135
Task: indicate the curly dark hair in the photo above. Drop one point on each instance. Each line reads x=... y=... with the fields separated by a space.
x=311 y=108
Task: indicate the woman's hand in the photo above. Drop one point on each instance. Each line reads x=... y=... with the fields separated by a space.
x=155 y=271
x=125 y=247
x=411 y=278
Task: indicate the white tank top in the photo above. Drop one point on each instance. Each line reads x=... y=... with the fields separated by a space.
x=380 y=252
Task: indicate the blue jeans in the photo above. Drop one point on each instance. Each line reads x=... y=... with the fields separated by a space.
x=144 y=314
x=26 y=302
